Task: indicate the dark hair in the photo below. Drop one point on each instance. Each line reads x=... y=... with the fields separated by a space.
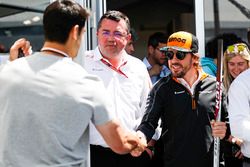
x=115 y=16
x=248 y=35
x=228 y=39
x=156 y=38
x=134 y=35
x=59 y=18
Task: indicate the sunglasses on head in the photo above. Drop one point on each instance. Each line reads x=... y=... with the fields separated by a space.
x=179 y=55
x=237 y=48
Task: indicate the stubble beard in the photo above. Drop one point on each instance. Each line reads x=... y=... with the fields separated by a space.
x=181 y=73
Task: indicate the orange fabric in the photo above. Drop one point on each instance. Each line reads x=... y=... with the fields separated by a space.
x=181 y=40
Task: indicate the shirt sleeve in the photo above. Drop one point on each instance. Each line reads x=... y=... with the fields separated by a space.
x=152 y=114
x=239 y=109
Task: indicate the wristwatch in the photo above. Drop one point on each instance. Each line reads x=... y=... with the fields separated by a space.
x=152 y=149
x=234 y=140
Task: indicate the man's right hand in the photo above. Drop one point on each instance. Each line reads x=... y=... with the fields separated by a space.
x=141 y=145
x=22 y=44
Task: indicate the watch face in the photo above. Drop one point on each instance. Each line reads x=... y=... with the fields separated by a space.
x=233 y=140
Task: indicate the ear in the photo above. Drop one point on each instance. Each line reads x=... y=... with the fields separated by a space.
x=97 y=33
x=196 y=59
x=128 y=37
x=75 y=31
x=150 y=49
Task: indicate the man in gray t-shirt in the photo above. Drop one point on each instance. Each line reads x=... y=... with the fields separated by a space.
x=47 y=100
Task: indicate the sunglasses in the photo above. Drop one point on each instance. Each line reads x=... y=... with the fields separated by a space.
x=179 y=55
x=237 y=48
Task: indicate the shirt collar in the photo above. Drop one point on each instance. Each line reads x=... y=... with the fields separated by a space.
x=201 y=76
x=145 y=61
x=98 y=56
x=148 y=65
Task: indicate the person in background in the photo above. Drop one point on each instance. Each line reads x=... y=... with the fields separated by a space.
x=209 y=65
x=239 y=115
x=127 y=82
x=20 y=44
x=47 y=100
x=209 y=62
x=130 y=48
x=156 y=63
x=156 y=60
x=2 y=48
x=236 y=60
x=185 y=102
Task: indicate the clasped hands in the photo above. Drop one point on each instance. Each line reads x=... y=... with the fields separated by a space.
x=141 y=146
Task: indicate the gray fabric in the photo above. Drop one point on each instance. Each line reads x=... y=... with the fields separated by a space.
x=46 y=103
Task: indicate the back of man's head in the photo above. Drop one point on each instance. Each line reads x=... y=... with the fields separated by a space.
x=59 y=18
x=156 y=38
x=134 y=36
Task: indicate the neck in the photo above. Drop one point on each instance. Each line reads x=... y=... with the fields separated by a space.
x=191 y=76
x=115 y=60
x=151 y=61
x=57 y=49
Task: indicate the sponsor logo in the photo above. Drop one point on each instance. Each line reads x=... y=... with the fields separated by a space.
x=180 y=92
x=174 y=39
x=97 y=69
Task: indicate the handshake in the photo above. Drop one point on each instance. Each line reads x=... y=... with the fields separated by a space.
x=140 y=144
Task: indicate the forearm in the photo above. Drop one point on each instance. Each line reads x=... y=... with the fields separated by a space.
x=147 y=129
x=119 y=140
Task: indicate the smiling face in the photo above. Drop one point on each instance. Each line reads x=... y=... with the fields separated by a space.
x=181 y=68
x=236 y=65
x=112 y=37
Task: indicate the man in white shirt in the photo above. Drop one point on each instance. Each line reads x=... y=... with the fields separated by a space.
x=127 y=82
x=239 y=112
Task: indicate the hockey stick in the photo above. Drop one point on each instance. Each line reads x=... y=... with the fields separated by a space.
x=217 y=113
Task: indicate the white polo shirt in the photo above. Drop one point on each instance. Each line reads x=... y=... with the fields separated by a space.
x=128 y=88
